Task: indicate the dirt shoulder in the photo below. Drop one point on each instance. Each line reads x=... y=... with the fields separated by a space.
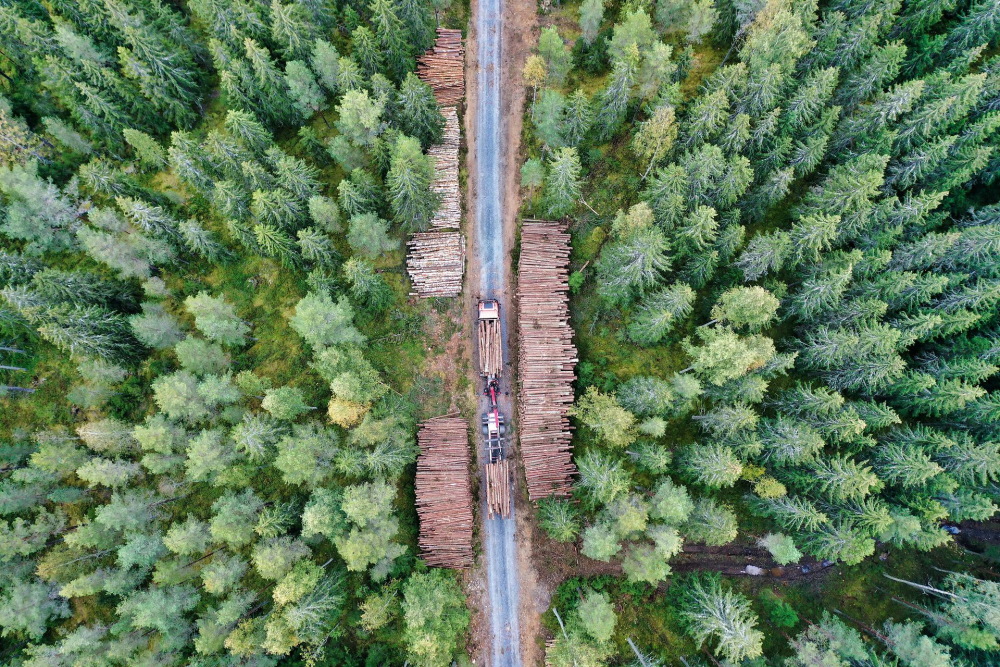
x=519 y=38
x=476 y=587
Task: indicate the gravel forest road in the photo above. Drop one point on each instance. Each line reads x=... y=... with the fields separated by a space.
x=488 y=238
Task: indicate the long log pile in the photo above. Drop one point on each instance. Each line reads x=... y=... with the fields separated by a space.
x=444 y=499
x=443 y=68
x=498 y=488
x=436 y=262
x=547 y=358
x=490 y=349
x=436 y=259
x=445 y=154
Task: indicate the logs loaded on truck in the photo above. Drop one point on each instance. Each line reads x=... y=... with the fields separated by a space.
x=494 y=425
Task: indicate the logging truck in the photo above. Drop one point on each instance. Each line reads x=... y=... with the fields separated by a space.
x=490 y=367
x=493 y=423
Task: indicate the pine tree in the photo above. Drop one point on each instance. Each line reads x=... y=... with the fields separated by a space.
x=658 y=313
x=841 y=542
x=555 y=55
x=410 y=176
x=614 y=100
x=712 y=465
x=147 y=149
x=216 y=318
x=391 y=34
x=547 y=114
x=279 y=208
x=562 y=184
x=656 y=75
x=749 y=308
x=713 y=612
x=305 y=93
x=291 y=29
x=655 y=137
x=711 y=523
x=723 y=355
x=591 y=17
x=578 y=118
x=316 y=247
x=602 y=413
x=368 y=236
x=360 y=117
x=201 y=241
x=325 y=62
x=418 y=114
x=275 y=242
x=271 y=94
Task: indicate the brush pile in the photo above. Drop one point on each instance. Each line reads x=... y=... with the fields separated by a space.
x=547 y=358
x=444 y=499
x=442 y=67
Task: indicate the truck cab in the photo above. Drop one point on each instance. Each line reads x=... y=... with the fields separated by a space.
x=489 y=309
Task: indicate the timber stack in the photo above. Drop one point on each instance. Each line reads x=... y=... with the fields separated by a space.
x=547 y=358
x=444 y=498
x=445 y=185
x=436 y=262
x=436 y=259
x=442 y=67
x=498 y=488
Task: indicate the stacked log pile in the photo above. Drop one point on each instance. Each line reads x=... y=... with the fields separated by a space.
x=444 y=499
x=445 y=154
x=436 y=259
x=498 y=488
x=547 y=358
x=443 y=68
x=435 y=262
x=490 y=349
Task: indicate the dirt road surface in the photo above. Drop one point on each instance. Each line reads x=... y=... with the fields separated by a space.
x=492 y=255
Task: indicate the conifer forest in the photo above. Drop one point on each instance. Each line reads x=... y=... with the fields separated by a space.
x=784 y=289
